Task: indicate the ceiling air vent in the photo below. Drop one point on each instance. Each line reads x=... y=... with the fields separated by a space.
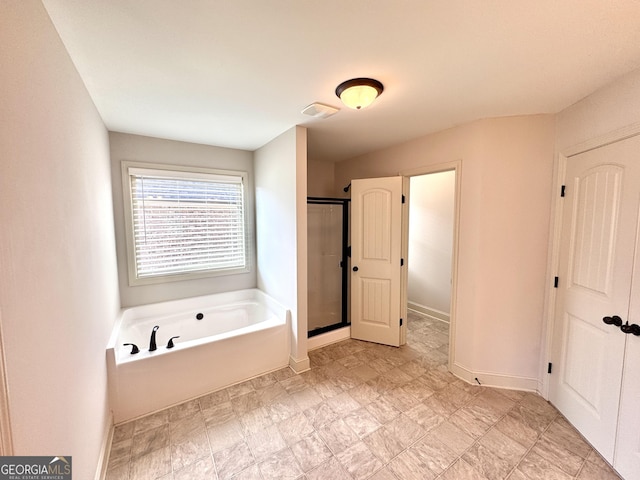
x=320 y=110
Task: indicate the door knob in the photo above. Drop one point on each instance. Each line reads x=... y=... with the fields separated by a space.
x=615 y=320
x=355 y=269
x=633 y=328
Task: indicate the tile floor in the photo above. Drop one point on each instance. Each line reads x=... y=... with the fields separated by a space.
x=364 y=411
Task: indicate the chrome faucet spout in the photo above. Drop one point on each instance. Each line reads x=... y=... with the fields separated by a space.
x=152 y=342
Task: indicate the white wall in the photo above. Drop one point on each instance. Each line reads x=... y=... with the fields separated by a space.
x=431 y=222
x=281 y=226
x=506 y=178
x=155 y=150
x=58 y=280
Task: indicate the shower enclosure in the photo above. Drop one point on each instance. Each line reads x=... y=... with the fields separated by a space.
x=328 y=236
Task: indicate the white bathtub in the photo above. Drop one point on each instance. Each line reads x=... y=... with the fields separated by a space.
x=241 y=335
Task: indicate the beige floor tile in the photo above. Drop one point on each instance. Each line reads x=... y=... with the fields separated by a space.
x=255 y=420
x=310 y=452
x=361 y=422
x=495 y=455
x=249 y=473
x=265 y=442
x=359 y=461
x=409 y=466
x=535 y=467
x=282 y=407
x=383 y=410
x=295 y=428
x=181 y=430
x=224 y=435
x=343 y=404
x=329 y=469
x=590 y=471
x=453 y=437
x=183 y=410
x=337 y=435
x=461 y=470
x=425 y=417
x=218 y=414
x=365 y=411
x=246 y=402
x=549 y=448
x=434 y=454
x=233 y=460
x=202 y=469
x=383 y=474
x=151 y=421
x=320 y=415
x=190 y=450
x=150 y=440
x=152 y=465
x=383 y=444
x=282 y=466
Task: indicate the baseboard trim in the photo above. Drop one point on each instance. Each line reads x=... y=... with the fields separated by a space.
x=328 y=338
x=299 y=366
x=496 y=380
x=103 y=461
x=437 y=314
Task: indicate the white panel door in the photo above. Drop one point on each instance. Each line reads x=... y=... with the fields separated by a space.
x=376 y=250
x=627 y=455
x=597 y=248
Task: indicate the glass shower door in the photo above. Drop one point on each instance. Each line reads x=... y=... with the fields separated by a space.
x=326 y=255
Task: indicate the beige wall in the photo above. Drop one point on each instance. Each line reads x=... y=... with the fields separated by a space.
x=611 y=108
x=156 y=150
x=320 y=179
x=58 y=280
x=506 y=177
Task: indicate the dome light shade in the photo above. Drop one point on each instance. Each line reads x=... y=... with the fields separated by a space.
x=359 y=93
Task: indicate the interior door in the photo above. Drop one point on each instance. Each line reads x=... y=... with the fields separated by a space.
x=378 y=271
x=596 y=257
x=627 y=455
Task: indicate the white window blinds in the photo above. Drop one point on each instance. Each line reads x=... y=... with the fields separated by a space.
x=186 y=222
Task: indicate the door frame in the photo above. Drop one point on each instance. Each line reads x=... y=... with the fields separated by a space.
x=555 y=224
x=6 y=443
x=456 y=167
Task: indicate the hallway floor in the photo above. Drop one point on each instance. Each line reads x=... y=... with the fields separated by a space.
x=364 y=411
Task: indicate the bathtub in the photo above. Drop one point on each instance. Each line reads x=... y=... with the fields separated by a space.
x=223 y=339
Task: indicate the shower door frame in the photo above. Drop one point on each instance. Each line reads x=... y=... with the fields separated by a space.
x=344 y=262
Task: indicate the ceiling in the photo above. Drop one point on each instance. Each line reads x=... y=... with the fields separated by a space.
x=237 y=73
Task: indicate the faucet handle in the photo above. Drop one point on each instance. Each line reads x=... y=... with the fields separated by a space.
x=134 y=348
x=170 y=344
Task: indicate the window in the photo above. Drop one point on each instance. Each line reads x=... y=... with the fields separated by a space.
x=183 y=222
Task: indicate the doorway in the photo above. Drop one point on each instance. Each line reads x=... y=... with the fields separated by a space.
x=431 y=223
x=434 y=212
x=327 y=236
x=379 y=300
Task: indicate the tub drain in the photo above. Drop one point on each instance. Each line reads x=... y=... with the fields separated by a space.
x=199 y=316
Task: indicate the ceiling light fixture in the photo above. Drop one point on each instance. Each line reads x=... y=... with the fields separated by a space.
x=359 y=93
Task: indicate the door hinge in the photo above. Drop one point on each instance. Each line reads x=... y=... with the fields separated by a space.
x=555 y=282
x=400 y=322
x=562 y=190
x=402 y=262
x=404 y=199
x=550 y=367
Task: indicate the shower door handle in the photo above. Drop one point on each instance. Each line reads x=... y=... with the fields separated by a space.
x=355 y=269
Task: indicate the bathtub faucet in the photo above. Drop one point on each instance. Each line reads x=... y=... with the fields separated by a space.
x=152 y=343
